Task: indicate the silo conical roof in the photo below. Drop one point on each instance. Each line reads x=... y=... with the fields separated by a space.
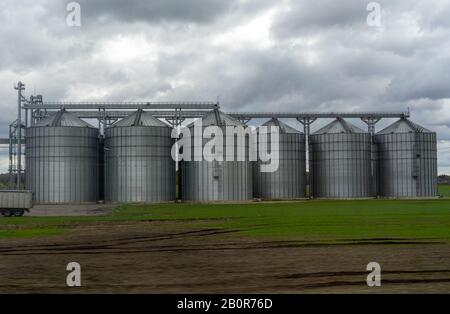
x=284 y=128
x=140 y=118
x=404 y=126
x=217 y=117
x=339 y=126
x=63 y=118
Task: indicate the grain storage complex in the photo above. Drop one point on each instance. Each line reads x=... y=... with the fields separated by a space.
x=128 y=157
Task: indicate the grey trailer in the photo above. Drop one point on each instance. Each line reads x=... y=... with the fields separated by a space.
x=14 y=203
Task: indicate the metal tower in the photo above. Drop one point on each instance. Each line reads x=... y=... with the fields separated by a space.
x=16 y=140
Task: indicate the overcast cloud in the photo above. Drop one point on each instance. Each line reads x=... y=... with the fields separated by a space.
x=299 y=55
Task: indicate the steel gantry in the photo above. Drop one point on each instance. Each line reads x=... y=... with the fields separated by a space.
x=180 y=114
x=108 y=112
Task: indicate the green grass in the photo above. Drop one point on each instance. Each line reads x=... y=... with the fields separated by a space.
x=321 y=220
x=30 y=232
x=444 y=190
x=310 y=221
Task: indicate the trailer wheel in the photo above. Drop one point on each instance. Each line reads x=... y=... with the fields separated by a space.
x=7 y=213
x=18 y=213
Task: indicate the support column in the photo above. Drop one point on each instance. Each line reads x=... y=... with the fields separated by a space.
x=11 y=163
x=176 y=123
x=306 y=129
x=26 y=118
x=371 y=122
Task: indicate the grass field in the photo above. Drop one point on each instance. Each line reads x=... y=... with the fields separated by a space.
x=280 y=247
x=444 y=190
x=310 y=221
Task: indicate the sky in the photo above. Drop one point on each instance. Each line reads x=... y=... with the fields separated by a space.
x=266 y=55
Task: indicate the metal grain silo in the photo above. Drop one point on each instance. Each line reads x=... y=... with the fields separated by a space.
x=61 y=160
x=138 y=162
x=205 y=181
x=340 y=161
x=289 y=181
x=406 y=161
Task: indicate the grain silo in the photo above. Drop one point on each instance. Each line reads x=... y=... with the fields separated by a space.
x=289 y=180
x=340 y=161
x=205 y=181
x=406 y=161
x=138 y=162
x=61 y=160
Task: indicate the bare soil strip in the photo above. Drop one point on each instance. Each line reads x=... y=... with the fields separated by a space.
x=173 y=257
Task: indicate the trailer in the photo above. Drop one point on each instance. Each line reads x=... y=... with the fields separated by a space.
x=14 y=203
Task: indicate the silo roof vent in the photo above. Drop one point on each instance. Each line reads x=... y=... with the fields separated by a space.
x=140 y=118
x=63 y=118
x=339 y=126
x=218 y=118
x=404 y=126
x=284 y=128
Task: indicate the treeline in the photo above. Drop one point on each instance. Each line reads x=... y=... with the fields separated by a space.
x=444 y=179
x=5 y=184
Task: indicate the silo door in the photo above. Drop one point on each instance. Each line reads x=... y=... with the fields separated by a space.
x=217 y=181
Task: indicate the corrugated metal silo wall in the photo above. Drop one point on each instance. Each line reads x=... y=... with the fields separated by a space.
x=289 y=181
x=375 y=169
x=407 y=164
x=341 y=165
x=138 y=165
x=61 y=164
x=205 y=181
x=101 y=168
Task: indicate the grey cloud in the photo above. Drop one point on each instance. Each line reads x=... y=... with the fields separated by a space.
x=312 y=16
x=155 y=11
x=422 y=80
x=323 y=56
